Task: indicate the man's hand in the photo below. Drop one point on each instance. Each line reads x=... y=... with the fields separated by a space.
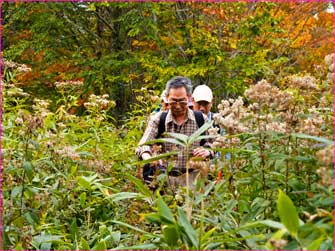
x=201 y=152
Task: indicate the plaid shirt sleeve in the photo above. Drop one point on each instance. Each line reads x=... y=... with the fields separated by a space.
x=150 y=134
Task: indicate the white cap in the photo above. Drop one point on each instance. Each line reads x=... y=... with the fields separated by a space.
x=163 y=97
x=202 y=93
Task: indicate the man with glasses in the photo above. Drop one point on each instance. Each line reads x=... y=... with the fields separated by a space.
x=179 y=119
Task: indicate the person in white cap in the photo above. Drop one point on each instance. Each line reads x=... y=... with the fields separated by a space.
x=203 y=100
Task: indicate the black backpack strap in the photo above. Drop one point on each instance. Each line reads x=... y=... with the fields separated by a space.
x=161 y=125
x=199 y=118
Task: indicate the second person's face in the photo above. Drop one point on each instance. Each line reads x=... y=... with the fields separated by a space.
x=203 y=106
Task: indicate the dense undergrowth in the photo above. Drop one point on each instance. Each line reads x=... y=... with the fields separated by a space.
x=72 y=182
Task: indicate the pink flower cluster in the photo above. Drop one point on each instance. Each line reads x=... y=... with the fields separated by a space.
x=264 y=94
x=306 y=82
x=68 y=84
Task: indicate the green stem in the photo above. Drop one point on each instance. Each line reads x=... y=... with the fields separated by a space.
x=287 y=164
x=188 y=200
x=201 y=221
x=262 y=157
x=21 y=199
x=261 y=142
x=24 y=176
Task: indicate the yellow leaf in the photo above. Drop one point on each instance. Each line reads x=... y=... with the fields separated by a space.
x=232 y=44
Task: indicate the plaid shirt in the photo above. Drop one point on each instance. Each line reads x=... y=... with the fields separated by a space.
x=187 y=128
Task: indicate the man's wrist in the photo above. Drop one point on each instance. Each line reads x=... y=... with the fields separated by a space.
x=145 y=156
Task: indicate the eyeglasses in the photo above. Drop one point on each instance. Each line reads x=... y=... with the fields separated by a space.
x=182 y=102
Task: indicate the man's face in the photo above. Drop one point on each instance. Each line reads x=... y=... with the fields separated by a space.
x=203 y=106
x=178 y=101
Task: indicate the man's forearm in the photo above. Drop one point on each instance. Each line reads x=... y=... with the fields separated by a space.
x=140 y=150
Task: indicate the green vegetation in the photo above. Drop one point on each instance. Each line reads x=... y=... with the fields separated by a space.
x=77 y=92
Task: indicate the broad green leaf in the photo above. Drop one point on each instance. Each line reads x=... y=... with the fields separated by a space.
x=271 y=223
x=101 y=245
x=82 y=199
x=200 y=131
x=46 y=238
x=287 y=213
x=319 y=139
x=164 y=140
x=49 y=121
x=82 y=181
x=214 y=245
x=315 y=245
x=188 y=232
x=279 y=234
x=124 y=196
x=305 y=159
x=137 y=247
x=158 y=157
x=164 y=211
x=153 y=218
x=19 y=246
x=277 y=156
x=116 y=236
x=134 y=228
x=45 y=246
x=73 y=169
x=28 y=169
x=83 y=245
x=87 y=181
x=139 y=184
x=74 y=229
x=15 y=192
x=182 y=138
x=208 y=234
x=171 y=235
x=31 y=218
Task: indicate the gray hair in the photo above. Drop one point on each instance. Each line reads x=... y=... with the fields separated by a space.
x=178 y=82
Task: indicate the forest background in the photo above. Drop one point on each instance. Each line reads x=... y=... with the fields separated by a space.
x=79 y=80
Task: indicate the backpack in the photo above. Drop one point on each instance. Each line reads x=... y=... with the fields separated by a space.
x=198 y=118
